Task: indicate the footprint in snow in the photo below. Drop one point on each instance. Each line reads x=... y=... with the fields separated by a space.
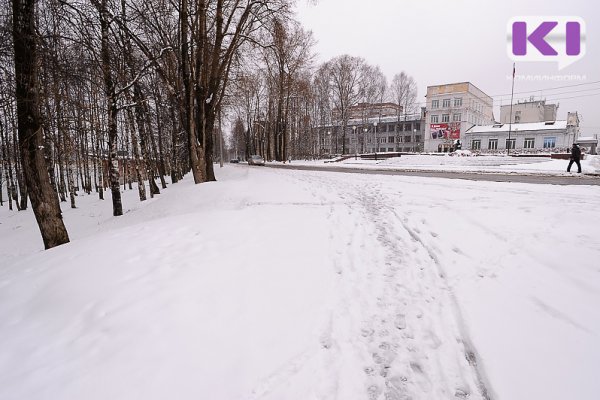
x=400 y=321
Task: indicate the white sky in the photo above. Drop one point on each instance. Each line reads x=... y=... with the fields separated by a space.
x=440 y=41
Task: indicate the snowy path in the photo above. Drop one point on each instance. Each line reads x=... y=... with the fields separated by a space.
x=396 y=332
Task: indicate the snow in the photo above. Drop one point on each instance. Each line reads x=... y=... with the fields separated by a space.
x=465 y=163
x=282 y=284
x=526 y=126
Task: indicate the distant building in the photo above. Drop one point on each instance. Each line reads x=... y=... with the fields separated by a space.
x=403 y=133
x=549 y=136
x=589 y=144
x=528 y=111
x=369 y=110
x=451 y=110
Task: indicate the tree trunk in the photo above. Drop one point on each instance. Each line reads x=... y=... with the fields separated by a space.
x=161 y=157
x=174 y=163
x=109 y=87
x=31 y=141
x=136 y=157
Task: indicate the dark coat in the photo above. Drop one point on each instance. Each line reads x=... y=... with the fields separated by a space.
x=575 y=153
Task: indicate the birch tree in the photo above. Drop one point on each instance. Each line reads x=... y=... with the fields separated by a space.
x=31 y=140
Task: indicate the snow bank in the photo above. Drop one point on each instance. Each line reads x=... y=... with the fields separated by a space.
x=199 y=294
x=466 y=163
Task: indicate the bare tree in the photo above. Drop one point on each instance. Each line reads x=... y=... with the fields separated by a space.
x=346 y=74
x=287 y=55
x=31 y=139
x=404 y=91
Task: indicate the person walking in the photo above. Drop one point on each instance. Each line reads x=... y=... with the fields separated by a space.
x=575 y=158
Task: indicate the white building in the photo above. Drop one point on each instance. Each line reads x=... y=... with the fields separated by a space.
x=528 y=111
x=549 y=136
x=589 y=144
x=451 y=110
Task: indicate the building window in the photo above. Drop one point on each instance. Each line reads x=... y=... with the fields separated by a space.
x=493 y=144
x=435 y=104
x=406 y=139
x=434 y=119
x=549 y=142
x=390 y=149
x=458 y=102
x=445 y=117
x=529 y=143
x=406 y=127
x=456 y=117
x=417 y=126
x=390 y=139
x=446 y=103
x=517 y=116
x=510 y=144
x=417 y=138
x=476 y=144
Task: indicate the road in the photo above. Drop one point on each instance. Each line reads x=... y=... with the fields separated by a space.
x=473 y=176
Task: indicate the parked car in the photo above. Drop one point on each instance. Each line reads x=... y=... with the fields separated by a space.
x=256 y=160
x=234 y=161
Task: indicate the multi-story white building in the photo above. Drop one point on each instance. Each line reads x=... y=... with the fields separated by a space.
x=451 y=110
x=528 y=111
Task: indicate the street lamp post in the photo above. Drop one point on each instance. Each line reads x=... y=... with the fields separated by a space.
x=376 y=141
x=355 y=143
x=414 y=139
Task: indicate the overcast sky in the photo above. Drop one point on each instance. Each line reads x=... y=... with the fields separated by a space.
x=442 y=41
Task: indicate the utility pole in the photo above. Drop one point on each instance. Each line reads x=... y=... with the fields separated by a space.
x=511 y=105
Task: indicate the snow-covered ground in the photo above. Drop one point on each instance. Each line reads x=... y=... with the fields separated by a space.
x=281 y=284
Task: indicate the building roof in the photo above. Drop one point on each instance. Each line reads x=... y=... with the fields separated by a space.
x=456 y=83
x=530 y=126
x=587 y=139
x=387 y=119
x=374 y=105
x=380 y=120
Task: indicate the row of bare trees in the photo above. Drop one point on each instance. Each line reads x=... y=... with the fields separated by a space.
x=99 y=96
x=96 y=94
x=282 y=99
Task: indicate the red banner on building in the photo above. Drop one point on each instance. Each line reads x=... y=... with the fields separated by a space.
x=445 y=131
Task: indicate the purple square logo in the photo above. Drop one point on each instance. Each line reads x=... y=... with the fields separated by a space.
x=542 y=39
